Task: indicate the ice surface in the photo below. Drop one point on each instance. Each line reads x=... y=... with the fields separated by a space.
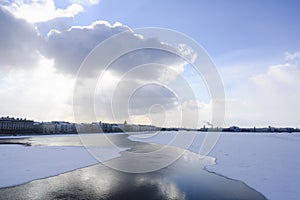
x=267 y=162
x=20 y=164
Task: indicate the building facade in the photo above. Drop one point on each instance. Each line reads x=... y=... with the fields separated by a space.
x=10 y=125
x=54 y=127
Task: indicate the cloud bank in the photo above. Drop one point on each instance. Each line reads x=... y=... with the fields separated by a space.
x=268 y=97
x=61 y=52
x=19 y=42
x=40 y=10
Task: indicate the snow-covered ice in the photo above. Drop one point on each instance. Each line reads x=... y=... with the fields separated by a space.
x=20 y=164
x=267 y=162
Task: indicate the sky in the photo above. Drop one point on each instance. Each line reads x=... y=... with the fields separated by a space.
x=254 y=46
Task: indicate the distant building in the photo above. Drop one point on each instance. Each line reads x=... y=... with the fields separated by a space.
x=64 y=127
x=117 y=127
x=105 y=127
x=55 y=127
x=125 y=127
x=49 y=128
x=234 y=129
x=10 y=125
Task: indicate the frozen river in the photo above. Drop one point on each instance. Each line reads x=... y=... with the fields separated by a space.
x=185 y=178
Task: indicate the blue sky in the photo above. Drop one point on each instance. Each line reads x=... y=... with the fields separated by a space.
x=254 y=44
x=220 y=26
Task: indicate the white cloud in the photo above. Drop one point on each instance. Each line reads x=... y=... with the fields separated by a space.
x=278 y=76
x=125 y=73
x=187 y=52
x=191 y=113
x=39 y=93
x=292 y=56
x=69 y=48
x=268 y=98
x=19 y=42
x=85 y=2
x=39 y=76
x=94 y=1
x=41 y=10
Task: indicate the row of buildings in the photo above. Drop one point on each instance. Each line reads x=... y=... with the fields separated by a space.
x=268 y=129
x=97 y=127
x=10 y=125
x=16 y=126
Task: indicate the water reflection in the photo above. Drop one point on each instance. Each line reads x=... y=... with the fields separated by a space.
x=182 y=180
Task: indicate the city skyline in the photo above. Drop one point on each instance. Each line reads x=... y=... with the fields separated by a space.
x=205 y=127
x=257 y=57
